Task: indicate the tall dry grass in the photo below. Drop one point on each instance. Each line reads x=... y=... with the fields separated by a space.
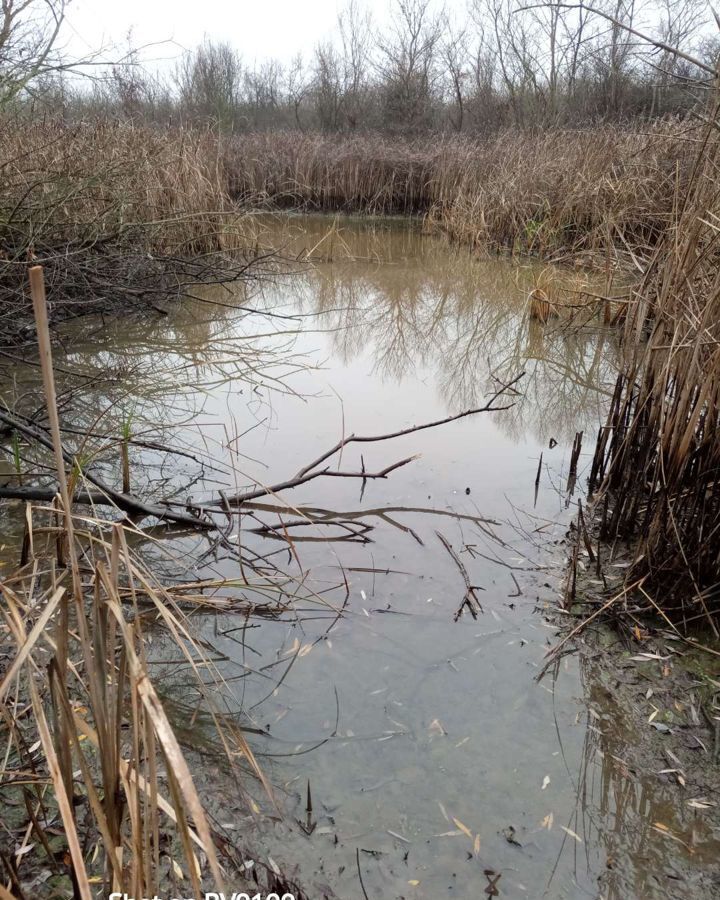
x=596 y=190
x=118 y=214
x=73 y=184
x=98 y=792
x=657 y=461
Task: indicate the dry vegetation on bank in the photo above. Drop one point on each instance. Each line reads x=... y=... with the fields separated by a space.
x=658 y=458
x=602 y=189
x=119 y=215
x=122 y=215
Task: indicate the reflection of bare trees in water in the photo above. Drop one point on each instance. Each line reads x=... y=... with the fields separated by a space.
x=147 y=381
x=424 y=306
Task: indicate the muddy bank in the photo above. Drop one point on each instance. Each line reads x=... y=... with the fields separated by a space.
x=654 y=742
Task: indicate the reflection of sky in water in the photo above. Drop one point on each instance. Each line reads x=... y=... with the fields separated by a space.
x=414 y=305
x=441 y=728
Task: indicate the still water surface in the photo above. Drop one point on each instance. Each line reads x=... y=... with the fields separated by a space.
x=433 y=755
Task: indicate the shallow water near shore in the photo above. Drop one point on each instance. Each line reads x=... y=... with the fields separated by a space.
x=437 y=764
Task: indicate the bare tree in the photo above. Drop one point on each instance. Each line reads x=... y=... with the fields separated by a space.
x=297 y=87
x=262 y=93
x=29 y=32
x=455 y=57
x=681 y=23
x=328 y=90
x=408 y=64
x=209 y=82
x=355 y=27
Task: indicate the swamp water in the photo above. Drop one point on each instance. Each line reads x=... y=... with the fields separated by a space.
x=436 y=761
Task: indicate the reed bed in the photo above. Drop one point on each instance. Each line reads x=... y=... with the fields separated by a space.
x=604 y=190
x=657 y=460
x=108 y=180
x=118 y=214
x=97 y=788
x=124 y=215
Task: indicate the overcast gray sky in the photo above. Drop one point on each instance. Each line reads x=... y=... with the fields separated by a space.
x=257 y=28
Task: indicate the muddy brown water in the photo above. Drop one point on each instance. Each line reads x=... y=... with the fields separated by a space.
x=433 y=755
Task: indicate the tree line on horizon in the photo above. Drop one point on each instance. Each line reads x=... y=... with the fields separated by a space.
x=503 y=63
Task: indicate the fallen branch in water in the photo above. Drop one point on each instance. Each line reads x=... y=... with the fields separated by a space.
x=310 y=472
x=238 y=499
x=128 y=503
x=470 y=589
x=169 y=511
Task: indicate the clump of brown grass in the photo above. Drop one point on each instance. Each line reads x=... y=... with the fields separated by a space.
x=605 y=189
x=73 y=184
x=599 y=190
x=89 y=748
x=118 y=214
x=540 y=306
x=368 y=173
x=657 y=460
x=576 y=297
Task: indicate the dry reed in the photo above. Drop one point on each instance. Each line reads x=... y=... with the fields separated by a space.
x=118 y=214
x=657 y=459
x=89 y=751
x=599 y=190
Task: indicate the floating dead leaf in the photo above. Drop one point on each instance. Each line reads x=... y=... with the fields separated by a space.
x=572 y=834
x=463 y=828
x=414 y=882
x=699 y=803
x=399 y=836
x=444 y=812
x=437 y=728
x=547 y=822
x=305 y=649
x=664 y=830
x=476 y=845
x=546 y=782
